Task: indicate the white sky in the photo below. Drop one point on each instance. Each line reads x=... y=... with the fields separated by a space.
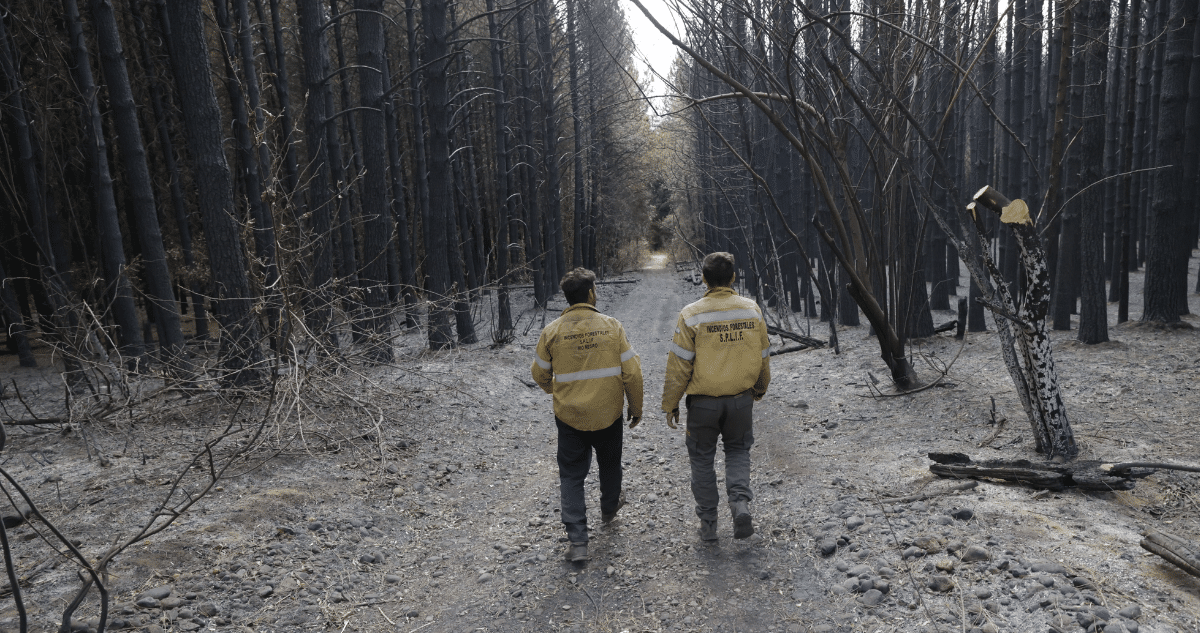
x=654 y=48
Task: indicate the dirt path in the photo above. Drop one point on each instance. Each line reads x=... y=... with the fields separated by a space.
x=444 y=515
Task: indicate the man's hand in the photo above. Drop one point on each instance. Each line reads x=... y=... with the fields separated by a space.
x=633 y=419
x=673 y=419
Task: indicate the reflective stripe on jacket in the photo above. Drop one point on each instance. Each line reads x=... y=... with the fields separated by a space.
x=584 y=359
x=720 y=348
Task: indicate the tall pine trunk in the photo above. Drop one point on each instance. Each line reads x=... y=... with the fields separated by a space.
x=315 y=51
x=171 y=166
x=377 y=223
x=441 y=194
x=1165 y=237
x=504 y=186
x=241 y=354
x=1093 y=312
x=112 y=247
x=132 y=151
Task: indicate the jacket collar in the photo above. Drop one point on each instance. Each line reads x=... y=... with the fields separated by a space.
x=578 y=307
x=720 y=292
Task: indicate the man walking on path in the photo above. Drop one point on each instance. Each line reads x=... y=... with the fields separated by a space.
x=720 y=357
x=584 y=359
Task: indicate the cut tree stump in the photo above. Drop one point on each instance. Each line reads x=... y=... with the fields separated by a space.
x=1175 y=550
x=1080 y=475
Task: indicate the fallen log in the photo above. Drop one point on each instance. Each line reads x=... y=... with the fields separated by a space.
x=1079 y=475
x=1120 y=468
x=788 y=350
x=1175 y=550
x=527 y=287
x=799 y=338
x=946 y=327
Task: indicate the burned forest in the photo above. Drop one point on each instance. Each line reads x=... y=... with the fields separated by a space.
x=273 y=273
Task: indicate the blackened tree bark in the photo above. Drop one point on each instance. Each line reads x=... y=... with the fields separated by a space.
x=543 y=12
x=1036 y=376
x=315 y=50
x=503 y=176
x=1191 y=171
x=132 y=150
x=248 y=172
x=377 y=224
x=1166 y=219
x=576 y=106
x=112 y=248
x=346 y=171
x=171 y=166
x=1093 y=312
x=1123 y=213
x=403 y=241
x=258 y=157
x=534 y=251
x=279 y=76
x=16 y=324
x=1066 y=272
x=51 y=267
x=240 y=351
x=441 y=194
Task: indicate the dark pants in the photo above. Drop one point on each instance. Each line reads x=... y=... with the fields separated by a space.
x=574 y=462
x=731 y=419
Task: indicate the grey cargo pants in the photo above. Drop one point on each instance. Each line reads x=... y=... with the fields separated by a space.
x=731 y=419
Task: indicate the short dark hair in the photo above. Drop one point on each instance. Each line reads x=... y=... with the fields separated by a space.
x=576 y=284
x=718 y=268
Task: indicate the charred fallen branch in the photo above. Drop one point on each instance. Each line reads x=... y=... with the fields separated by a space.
x=1082 y=475
x=946 y=327
x=1175 y=550
x=806 y=341
x=598 y=283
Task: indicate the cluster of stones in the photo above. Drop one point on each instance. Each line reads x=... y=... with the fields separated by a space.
x=897 y=560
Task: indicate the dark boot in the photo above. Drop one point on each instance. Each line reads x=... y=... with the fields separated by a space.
x=708 y=530
x=577 y=552
x=608 y=517
x=743 y=527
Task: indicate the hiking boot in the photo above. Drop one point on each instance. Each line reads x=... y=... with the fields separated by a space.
x=577 y=552
x=608 y=517
x=708 y=530
x=743 y=527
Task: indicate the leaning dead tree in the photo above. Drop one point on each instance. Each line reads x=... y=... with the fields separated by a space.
x=1024 y=339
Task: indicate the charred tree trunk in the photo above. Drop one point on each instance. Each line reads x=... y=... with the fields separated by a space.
x=132 y=151
x=543 y=14
x=576 y=105
x=403 y=240
x=178 y=204
x=12 y=317
x=504 y=186
x=1037 y=374
x=441 y=193
x=241 y=355
x=112 y=248
x=1093 y=312
x=315 y=51
x=1121 y=220
x=377 y=223
x=1166 y=219
x=534 y=251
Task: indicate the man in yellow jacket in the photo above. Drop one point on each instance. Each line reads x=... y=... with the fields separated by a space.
x=720 y=357
x=585 y=361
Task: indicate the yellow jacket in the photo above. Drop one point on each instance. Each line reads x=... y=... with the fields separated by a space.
x=584 y=359
x=720 y=348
